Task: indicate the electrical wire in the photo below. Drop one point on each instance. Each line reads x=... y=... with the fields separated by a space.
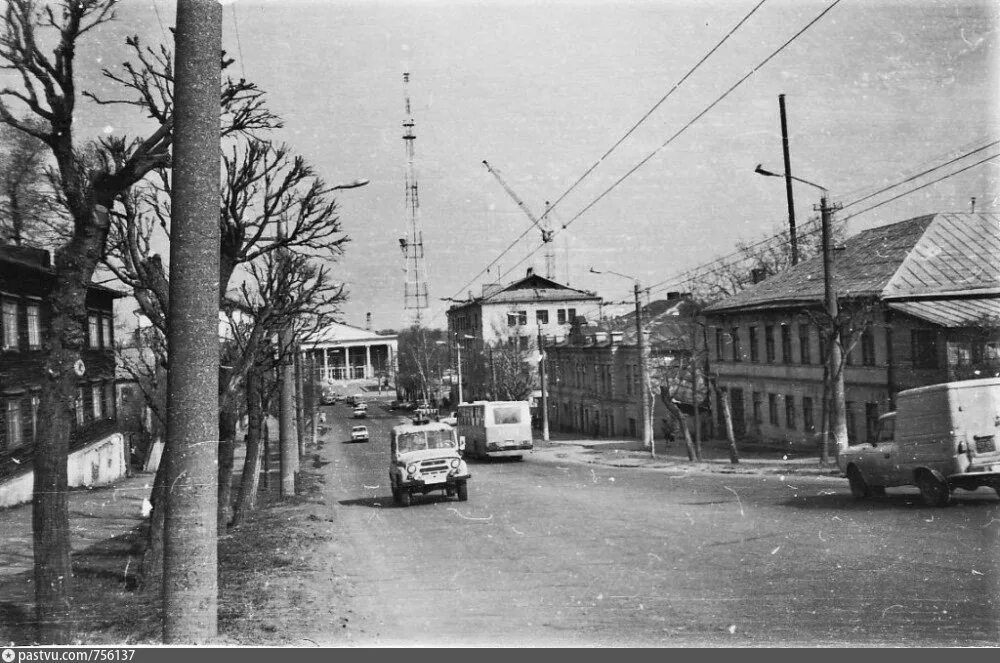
x=691 y=122
x=620 y=140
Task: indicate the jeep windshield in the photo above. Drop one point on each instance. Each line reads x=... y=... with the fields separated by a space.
x=425 y=439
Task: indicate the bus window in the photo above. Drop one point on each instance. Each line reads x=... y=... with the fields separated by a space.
x=507 y=415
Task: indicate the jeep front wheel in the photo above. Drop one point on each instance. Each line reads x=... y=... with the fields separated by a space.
x=463 y=491
x=405 y=497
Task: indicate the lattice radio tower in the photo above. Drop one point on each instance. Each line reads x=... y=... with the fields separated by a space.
x=415 y=286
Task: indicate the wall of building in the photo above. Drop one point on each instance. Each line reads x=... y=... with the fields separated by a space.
x=99 y=463
x=788 y=392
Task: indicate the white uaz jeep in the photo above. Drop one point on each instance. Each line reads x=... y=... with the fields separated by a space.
x=425 y=456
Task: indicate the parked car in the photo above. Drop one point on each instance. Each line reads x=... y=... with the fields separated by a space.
x=451 y=419
x=328 y=398
x=941 y=437
x=359 y=434
x=361 y=412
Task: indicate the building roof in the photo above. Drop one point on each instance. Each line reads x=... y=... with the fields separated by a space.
x=532 y=288
x=666 y=320
x=927 y=256
x=335 y=333
x=953 y=312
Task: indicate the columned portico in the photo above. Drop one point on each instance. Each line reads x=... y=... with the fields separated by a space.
x=343 y=354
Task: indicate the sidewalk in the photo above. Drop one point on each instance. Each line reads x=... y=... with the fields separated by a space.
x=629 y=453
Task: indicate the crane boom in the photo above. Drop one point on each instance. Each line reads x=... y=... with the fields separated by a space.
x=546 y=233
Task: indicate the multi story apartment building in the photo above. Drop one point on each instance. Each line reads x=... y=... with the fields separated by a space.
x=922 y=298
x=97 y=450
x=512 y=315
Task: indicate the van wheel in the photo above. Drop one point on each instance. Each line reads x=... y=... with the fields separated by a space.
x=859 y=488
x=396 y=495
x=463 y=491
x=933 y=491
x=405 y=498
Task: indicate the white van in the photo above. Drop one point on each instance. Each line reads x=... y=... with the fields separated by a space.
x=940 y=438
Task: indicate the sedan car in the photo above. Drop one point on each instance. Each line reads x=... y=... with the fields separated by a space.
x=359 y=434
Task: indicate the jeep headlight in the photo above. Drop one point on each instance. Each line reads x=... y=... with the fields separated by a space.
x=411 y=468
x=454 y=463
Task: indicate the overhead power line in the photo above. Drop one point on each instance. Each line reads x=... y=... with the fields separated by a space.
x=691 y=122
x=621 y=140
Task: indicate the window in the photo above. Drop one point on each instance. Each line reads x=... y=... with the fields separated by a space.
x=542 y=317
x=35 y=403
x=871 y=421
x=96 y=401
x=823 y=358
x=754 y=355
x=561 y=316
x=512 y=319
x=758 y=404
x=786 y=344
x=34 y=327
x=9 y=323
x=78 y=406
x=868 y=347
x=718 y=343
x=769 y=343
x=923 y=346
x=628 y=379
x=522 y=343
x=847 y=352
x=631 y=427
x=106 y=332
x=14 y=430
x=95 y=332
x=789 y=412
x=805 y=356
x=772 y=409
x=808 y=423
x=720 y=416
x=736 y=344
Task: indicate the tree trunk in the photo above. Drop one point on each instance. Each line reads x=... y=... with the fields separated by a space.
x=824 y=441
x=50 y=512
x=152 y=559
x=246 y=501
x=693 y=452
x=227 y=446
x=727 y=416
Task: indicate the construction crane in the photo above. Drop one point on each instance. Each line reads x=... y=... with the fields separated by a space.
x=542 y=224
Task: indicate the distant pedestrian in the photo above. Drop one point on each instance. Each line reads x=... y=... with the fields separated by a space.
x=322 y=417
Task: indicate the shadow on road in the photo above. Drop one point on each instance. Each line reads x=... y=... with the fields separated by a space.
x=387 y=503
x=842 y=501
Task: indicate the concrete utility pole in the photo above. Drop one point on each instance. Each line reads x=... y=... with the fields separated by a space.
x=838 y=413
x=647 y=429
x=287 y=444
x=545 y=388
x=458 y=348
x=190 y=562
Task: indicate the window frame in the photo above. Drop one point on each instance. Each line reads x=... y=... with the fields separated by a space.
x=772 y=409
x=805 y=345
x=11 y=341
x=769 y=343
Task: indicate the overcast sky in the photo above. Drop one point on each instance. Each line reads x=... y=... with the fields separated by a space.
x=876 y=91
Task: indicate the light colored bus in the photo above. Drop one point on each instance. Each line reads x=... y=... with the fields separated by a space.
x=495 y=429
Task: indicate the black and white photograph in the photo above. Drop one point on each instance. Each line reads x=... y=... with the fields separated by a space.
x=534 y=324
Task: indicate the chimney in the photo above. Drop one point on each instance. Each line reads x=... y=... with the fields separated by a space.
x=671 y=296
x=368 y=321
x=757 y=275
x=530 y=272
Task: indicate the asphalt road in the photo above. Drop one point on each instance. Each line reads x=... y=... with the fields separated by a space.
x=551 y=553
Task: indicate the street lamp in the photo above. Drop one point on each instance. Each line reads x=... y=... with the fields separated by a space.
x=838 y=408
x=644 y=409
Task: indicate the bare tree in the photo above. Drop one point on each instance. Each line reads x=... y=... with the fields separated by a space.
x=25 y=203
x=423 y=355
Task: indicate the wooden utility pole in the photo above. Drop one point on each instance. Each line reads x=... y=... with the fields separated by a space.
x=838 y=413
x=190 y=568
x=793 y=240
x=646 y=430
x=545 y=388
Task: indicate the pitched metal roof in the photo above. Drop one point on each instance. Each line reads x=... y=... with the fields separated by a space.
x=531 y=288
x=953 y=312
x=926 y=255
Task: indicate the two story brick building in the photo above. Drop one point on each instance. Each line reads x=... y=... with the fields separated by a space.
x=924 y=301
x=97 y=453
